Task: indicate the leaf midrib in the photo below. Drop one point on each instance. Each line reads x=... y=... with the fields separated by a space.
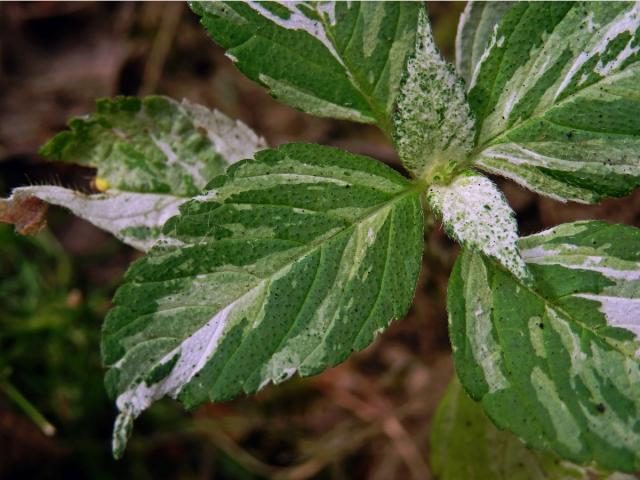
x=411 y=189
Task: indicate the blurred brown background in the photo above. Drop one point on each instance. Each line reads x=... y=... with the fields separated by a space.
x=368 y=418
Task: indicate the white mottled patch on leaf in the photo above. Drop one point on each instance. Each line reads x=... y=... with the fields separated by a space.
x=493 y=42
x=121 y=213
x=566 y=427
x=557 y=114
x=298 y=20
x=173 y=160
x=628 y=22
x=475 y=28
x=153 y=155
x=193 y=354
x=483 y=345
x=620 y=302
x=618 y=311
x=476 y=214
x=233 y=139
x=433 y=121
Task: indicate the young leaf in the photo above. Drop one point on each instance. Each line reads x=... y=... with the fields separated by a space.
x=434 y=128
x=556 y=99
x=291 y=262
x=474 y=33
x=152 y=155
x=476 y=214
x=466 y=445
x=331 y=59
x=557 y=363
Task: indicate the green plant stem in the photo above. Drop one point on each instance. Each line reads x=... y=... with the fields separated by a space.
x=28 y=408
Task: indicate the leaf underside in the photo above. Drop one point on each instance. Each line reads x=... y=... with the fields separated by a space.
x=556 y=363
x=556 y=99
x=330 y=59
x=288 y=264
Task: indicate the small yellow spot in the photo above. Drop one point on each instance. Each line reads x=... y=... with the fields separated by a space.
x=101 y=184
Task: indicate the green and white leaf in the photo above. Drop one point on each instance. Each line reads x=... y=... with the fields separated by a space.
x=465 y=444
x=288 y=264
x=557 y=362
x=475 y=29
x=332 y=59
x=434 y=127
x=134 y=218
x=153 y=154
x=476 y=214
x=557 y=102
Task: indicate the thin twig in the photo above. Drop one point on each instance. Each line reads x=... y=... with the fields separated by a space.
x=28 y=408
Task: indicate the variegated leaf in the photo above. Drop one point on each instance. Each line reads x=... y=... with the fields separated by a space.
x=331 y=59
x=475 y=29
x=465 y=444
x=134 y=218
x=556 y=99
x=291 y=262
x=557 y=362
x=152 y=155
x=434 y=128
x=476 y=214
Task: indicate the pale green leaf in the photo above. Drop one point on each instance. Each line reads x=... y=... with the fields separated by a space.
x=331 y=59
x=475 y=29
x=466 y=445
x=152 y=155
x=476 y=214
x=433 y=125
x=288 y=264
x=557 y=362
x=557 y=97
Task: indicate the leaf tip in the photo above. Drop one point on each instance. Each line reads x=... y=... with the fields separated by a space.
x=121 y=432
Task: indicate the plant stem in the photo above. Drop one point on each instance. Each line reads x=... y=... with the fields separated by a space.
x=28 y=408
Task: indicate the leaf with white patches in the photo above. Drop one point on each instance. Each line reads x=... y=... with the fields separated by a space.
x=466 y=445
x=475 y=29
x=556 y=98
x=476 y=214
x=433 y=124
x=134 y=218
x=296 y=259
x=556 y=362
x=152 y=155
x=332 y=59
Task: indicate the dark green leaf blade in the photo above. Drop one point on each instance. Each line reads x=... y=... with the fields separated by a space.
x=291 y=262
x=556 y=363
x=331 y=59
x=556 y=99
x=474 y=33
